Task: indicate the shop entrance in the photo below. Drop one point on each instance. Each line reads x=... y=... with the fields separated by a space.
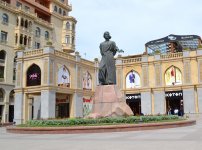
x=62 y=106
x=134 y=102
x=174 y=103
x=11 y=113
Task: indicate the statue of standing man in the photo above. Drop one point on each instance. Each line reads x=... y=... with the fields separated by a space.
x=107 y=69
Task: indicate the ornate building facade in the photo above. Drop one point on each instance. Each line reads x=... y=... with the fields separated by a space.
x=27 y=25
x=41 y=79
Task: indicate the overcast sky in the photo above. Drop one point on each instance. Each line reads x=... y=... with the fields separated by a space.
x=132 y=23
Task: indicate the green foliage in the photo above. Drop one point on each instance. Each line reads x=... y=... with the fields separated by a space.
x=157 y=51
x=200 y=46
x=100 y=121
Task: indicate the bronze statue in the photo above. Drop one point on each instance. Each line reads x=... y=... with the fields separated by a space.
x=107 y=69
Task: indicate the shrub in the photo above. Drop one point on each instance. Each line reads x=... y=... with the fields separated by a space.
x=107 y=120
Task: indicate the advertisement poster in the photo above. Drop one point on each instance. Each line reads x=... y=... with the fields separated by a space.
x=87 y=106
x=132 y=80
x=173 y=76
x=63 y=77
x=87 y=81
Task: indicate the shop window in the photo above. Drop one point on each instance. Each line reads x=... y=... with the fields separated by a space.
x=5 y=19
x=46 y=35
x=132 y=80
x=173 y=76
x=87 y=81
x=34 y=75
x=63 y=77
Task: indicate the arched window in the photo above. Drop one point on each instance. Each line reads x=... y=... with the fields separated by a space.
x=34 y=75
x=11 y=96
x=5 y=18
x=64 y=13
x=87 y=81
x=55 y=8
x=21 y=39
x=30 y=24
x=173 y=76
x=63 y=77
x=38 y=32
x=26 y=24
x=1 y=95
x=25 y=40
x=60 y=11
x=22 y=22
x=68 y=26
x=132 y=80
x=46 y=35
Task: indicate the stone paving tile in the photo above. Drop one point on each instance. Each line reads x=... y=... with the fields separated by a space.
x=184 y=138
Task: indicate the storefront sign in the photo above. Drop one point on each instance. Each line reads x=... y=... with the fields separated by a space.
x=174 y=94
x=133 y=96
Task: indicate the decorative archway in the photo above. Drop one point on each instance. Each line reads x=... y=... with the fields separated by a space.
x=34 y=75
x=173 y=76
x=87 y=81
x=132 y=80
x=63 y=77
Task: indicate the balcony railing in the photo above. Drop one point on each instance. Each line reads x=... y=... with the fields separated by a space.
x=172 y=55
x=131 y=60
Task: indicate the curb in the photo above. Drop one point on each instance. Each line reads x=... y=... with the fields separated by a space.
x=99 y=129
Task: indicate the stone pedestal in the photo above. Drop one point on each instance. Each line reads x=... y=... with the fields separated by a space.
x=109 y=102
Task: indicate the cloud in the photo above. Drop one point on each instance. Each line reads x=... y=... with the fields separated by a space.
x=132 y=23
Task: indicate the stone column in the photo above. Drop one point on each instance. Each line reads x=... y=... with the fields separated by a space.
x=146 y=102
x=18 y=105
x=119 y=72
x=37 y=107
x=199 y=94
x=77 y=104
x=48 y=101
x=189 y=100
x=159 y=102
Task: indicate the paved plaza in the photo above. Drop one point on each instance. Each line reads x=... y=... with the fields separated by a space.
x=184 y=138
